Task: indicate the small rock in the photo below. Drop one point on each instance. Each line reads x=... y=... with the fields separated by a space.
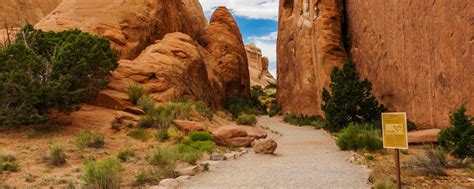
x=470 y=179
x=217 y=157
x=266 y=146
x=243 y=150
x=229 y=156
x=183 y=178
x=169 y=183
x=188 y=171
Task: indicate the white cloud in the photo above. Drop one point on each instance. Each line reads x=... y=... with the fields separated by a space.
x=267 y=43
x=253 y=9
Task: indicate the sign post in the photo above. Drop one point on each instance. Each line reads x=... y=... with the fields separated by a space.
x=395 y=136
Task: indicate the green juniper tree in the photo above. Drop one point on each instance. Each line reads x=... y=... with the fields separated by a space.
x=44 y=70
x=350 y=99
x=459 y=139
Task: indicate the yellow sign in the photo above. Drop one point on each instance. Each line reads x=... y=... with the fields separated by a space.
x=394 y=130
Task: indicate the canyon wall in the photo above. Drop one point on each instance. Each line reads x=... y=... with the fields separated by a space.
x=309 y=46
x=258 y=67
x=17 y=13
x=418 y=54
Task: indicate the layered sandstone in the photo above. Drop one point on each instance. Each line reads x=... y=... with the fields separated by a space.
x=418 y=55
x=258 y=67
x=222 y=38
x=129 y=25
x=309 y=47
x=15 y=13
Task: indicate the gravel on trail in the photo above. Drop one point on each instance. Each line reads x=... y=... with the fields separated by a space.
x=305 y=158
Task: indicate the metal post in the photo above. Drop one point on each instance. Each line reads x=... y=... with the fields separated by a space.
x=397 y=162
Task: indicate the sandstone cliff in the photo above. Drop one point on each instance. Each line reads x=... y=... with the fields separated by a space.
x=309 y=46
x=417 y=54
x=222 y=38
x=17 y=13
x=258 y=67
x=130 y=25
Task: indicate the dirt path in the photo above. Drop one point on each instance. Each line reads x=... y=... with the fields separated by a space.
x=305 y=158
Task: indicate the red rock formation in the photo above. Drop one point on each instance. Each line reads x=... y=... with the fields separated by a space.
x=258 y=67
x=171 y=68
x=222 y=38
x=129 y=25
x=18 y=13
x=309 y=46
x=418 y=55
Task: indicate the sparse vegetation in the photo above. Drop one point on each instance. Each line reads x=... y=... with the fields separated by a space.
x=459 y=139
x=146 y=103
x=359 y=136
x=126 y=154
x=200 y=136
x=162 y=135
x=45 y=70
x=139 y=134
x=274 y=110
x=135 y=92
x=384 y=184
x=164 y=156
x=86 y=138
x=57 y=155
x=104 y=174
x=149 y=177
x=9 y=163
x=349 y=99
x=315 y=121
x=246 y=119
x=430 y=163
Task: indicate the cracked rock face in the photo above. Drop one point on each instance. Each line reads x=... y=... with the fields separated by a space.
x=309 y=46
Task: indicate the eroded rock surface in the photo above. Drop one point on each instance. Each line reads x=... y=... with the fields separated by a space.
x=130 y=25
x=237 y=136
x=309 y=46
x=258 y=67
x=15 y=13
x=418 y=55
x=222 y=38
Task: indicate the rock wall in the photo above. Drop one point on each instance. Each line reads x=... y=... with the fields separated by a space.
x=258 y=67
x=309 y=46
x=130 y=25
x=418 y=55
x=222 y=38
x=16 y=13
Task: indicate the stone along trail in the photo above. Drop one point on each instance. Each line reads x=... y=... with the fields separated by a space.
x=305 y=158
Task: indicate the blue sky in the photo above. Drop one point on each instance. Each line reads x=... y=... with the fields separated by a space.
x=257 y=20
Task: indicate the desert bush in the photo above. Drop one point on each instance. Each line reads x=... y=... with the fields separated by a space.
x=315 y=121
x=148 y=121
x=135 y=92
x=104 y=174
x=204 y=109
x=188 y=153
x=162 y=135
x=430 y=163
x=274 y=110
x=358 y=136
x=58 y=157
x=149 y=177
x=86 y=138
x=126 y=154
x=349 y=99
x=459 y=138
x=8 y=163
x=146 y=103
x=200 y=136
x=139 y=134
x=45 y=70
x=384 y=184
x=164 y=156
x=238 y=104
x=246 y=119
x=203 y=146
x=175 y=135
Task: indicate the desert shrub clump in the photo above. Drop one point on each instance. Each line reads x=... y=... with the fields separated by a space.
x=200 y=136
x=358 y=137
x=9 y=163
x=126 y=154
x=45 y=70
x=162 y=135
x=238 y=104
x=139 y=134
x=459 y=138
x=86 y=138
x=246 y=119
x=315 y=121
x=104 y=173
x=57 y=155
x=135 y=92
x=349 y=99
x=429 y=163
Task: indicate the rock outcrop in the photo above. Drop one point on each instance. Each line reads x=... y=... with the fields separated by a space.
x=15 y=13
x=265 y=146
x=258 y=67
x=418 y=55
x=222 y=38
x=309 y=46
x=130 y=25
x=171 y=68
x=237 y=136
